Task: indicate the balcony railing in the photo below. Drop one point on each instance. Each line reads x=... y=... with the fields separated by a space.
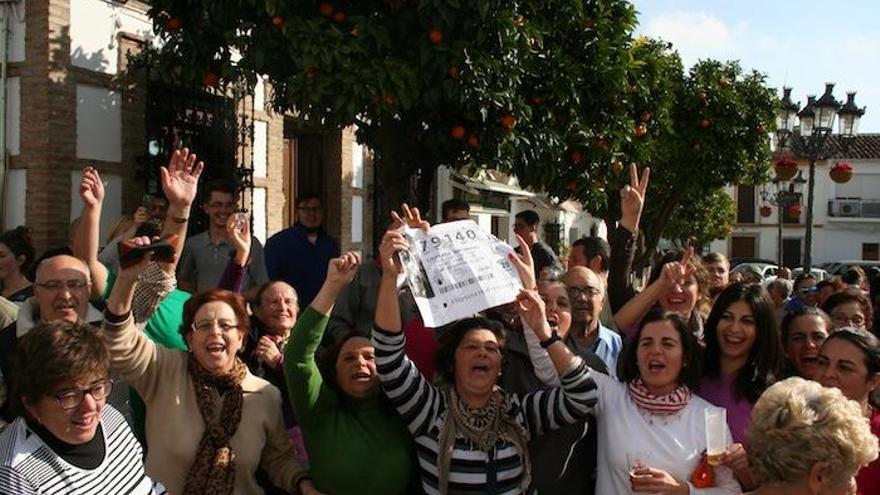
x=854 y=208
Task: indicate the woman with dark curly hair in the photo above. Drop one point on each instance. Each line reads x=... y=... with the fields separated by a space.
x=355 y=441
x=16 y=257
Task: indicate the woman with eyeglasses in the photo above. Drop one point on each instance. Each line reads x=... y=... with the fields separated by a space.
x=850 y=308
x=210 y=422
x=850 y=362
x=67 y=439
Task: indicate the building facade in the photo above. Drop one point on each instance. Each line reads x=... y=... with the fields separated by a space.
x=72 y=100
x=846 y=223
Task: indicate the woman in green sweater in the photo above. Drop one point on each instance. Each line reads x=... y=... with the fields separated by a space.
x=355 y=440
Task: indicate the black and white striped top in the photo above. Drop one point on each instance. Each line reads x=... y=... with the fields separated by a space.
x=423 y=408
x=29 y=466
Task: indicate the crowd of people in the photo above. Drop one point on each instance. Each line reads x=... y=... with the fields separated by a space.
x=209 y=364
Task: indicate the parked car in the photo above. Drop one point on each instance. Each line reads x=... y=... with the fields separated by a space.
x=819 y=273
x=840 y=267
x=764 y=270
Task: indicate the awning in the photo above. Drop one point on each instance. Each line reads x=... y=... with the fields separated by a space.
x=467 y=183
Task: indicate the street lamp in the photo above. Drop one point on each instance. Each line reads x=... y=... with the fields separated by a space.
x=809 y=140
x=784 y=194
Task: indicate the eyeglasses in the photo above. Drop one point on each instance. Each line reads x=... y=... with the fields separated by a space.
x=206 y=326
x=574 y=292
x=57 y=285
x=69 y=399
x=846 y=321
x=809 y=290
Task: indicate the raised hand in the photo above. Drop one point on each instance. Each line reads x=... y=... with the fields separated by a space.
x=678 y=272
x=91 y=187
x=412 y=218
x=532 y=310
x=239 y=233
x=180 y=179
x=268 y=352
x=133 y=271
x=524 y=264
x=632 y=197
x=341 y=270
x=392 y=243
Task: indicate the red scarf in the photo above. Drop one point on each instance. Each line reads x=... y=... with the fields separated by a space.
x=659 y=405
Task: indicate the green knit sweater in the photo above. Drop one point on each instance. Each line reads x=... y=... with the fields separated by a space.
x=355 y=447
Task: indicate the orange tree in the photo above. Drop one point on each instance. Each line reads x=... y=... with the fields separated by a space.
x=519 y=86
x=558 y=92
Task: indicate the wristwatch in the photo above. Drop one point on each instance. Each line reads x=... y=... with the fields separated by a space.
x=554 y=337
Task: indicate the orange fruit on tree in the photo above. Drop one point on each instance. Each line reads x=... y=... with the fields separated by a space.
x=210 y=79
x=473 y=141
x=325 y=9
x=705 y=123
x=174 y=24
x=617 y=167
x=339 y=16
x=572 y=185
x=458 y=132
x=640 y=130
x=389 y=100
x=508 y=121
x=600 y=144
x=436 y=36
x=577 y=156
x=277 y=21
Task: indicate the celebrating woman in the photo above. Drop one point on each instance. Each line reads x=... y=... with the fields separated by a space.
x=473 y=435
x=16 y=256
x=808 y=440
x=849 y=308
x=210 y=423
x=68 y=440
x=743 y=357
x=355 y=440
x=803 y=332
x=850 y=361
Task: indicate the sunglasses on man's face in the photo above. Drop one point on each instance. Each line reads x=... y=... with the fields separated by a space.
x=809 y=290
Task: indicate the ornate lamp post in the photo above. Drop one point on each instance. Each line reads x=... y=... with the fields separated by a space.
x=784 y=194
x=809 y=140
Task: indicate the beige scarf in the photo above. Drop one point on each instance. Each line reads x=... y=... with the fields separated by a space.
x=213 y=470
x=484 y=428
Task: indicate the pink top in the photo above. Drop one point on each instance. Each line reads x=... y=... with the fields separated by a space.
x=719 y=391
x=868 y=479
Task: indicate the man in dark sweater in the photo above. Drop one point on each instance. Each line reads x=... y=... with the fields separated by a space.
x=526 y=225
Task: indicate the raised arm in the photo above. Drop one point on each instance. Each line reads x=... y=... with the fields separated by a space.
x=86 y=239
x=388 y=305
x=304 y=381
x=624 y=237
x=180 y=180
x=239 y=234
x=675 y=272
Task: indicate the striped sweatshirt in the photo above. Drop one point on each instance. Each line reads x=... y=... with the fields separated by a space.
x=29 y=466
x=424 y=409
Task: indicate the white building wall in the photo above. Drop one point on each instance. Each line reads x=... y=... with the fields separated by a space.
x=98 y=123
x=13 y=115
x=17 y=31
x=93 y=45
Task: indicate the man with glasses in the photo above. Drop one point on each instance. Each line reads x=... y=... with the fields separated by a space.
x=206 y=255
x=299 y=255
x=61 y=292
x=586 y=294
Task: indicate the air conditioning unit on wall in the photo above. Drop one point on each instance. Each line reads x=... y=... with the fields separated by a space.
x=846 y=208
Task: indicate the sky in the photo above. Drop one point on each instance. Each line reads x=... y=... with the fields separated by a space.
x=797 y=43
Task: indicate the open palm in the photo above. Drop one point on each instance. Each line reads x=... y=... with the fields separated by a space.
x=180 y=179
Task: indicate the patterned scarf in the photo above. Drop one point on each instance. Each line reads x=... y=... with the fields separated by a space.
x=484 y=428
x=213 y=470
x=659 y=405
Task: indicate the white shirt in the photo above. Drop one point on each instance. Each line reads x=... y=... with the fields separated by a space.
x=672 y=443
